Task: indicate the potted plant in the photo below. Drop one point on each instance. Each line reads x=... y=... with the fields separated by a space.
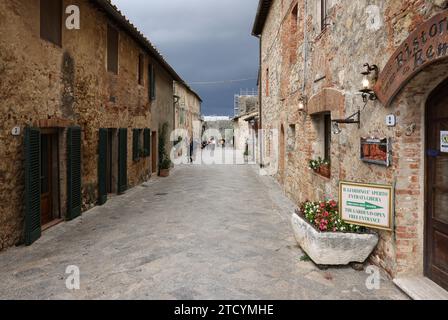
x=165 y=166
x=164 y=160
x=327 y=239
x=321 y=167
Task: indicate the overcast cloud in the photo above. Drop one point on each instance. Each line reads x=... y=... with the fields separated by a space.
x=204 y=40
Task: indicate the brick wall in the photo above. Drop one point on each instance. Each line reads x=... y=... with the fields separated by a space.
x=41 y=81
x=358 y=32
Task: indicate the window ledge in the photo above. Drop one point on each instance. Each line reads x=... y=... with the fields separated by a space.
x=321 y=175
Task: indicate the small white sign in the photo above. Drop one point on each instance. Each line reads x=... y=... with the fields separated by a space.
x=366 y=205
x=15 y=131
x=444 y=141
x=391 y=120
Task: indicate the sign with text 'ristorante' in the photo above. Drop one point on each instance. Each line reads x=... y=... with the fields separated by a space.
x=368 y=205
x=426 y=45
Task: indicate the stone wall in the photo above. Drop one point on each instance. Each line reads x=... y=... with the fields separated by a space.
x=40 y=81
x=162 y=107
x=188 y=110
x=300 y=59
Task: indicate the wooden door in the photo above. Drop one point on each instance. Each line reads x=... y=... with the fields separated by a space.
x=281 y=165
x=46 y=178
x=436 y=255
x=154 y=152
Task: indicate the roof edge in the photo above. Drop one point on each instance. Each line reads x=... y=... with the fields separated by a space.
x=264 y=7
x=115 y=14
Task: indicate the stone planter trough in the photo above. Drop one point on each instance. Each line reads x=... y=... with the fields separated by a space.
x=332 y=248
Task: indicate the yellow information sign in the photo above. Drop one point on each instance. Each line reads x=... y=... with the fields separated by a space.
x=368 y=205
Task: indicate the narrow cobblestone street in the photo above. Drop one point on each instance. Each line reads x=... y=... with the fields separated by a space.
x=206 y=232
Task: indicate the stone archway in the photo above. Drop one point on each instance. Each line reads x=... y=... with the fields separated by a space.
x=410 y=106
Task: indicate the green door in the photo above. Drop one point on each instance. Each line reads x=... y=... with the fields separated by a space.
x=102 y=166
x=74 y=193
x=32 y=185
x=122 y=160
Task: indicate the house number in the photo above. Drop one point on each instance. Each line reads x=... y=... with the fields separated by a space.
x=15 y=131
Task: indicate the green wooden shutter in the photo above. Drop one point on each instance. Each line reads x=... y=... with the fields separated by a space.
x=102 y=166
x=32 y=185
x=147 y=142
x=122 y=161
x=135 y=144
x=74 y=194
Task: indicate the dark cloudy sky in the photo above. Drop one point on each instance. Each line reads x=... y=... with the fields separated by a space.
x=205 y=41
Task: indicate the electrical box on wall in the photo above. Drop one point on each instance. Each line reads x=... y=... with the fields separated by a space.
x=376 y=151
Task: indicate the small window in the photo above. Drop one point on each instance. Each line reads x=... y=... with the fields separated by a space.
x=327 y=138
x=152 y=82
x=141 y=68
x=51 y=21
x=291 y=145
x=294 y=39
x=323 y=14
x=267 y=82
x=112 y=49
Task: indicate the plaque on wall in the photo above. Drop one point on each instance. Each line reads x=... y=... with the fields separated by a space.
x=376 y=151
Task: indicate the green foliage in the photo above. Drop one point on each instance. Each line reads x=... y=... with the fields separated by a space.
x=164 y=159
x=316 y=164
x=325 y=217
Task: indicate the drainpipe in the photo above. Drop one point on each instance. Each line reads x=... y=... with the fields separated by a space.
x=260 y=104
x=305 y=48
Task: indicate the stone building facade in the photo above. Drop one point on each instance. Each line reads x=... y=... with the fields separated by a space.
x=188 y=110
x=76 y=111
x=246 y=127
x=312 y=56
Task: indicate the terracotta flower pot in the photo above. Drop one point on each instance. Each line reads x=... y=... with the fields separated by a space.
x=325 y=171
x=164 y=173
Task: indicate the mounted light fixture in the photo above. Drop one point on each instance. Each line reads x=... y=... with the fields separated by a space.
x=370 y=77
x=302 y=103
x=353 y=119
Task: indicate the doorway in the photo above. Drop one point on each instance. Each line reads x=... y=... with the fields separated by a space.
x=281 y=165
x=154 y=152
x=436 y=229
x=49 y=177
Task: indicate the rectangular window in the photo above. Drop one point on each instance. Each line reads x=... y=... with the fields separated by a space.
x=112 y=49
x=141 y=68
x=152 y=82
x=267 y=82
x=327 y=141
x=323 y=14
x=51 y=21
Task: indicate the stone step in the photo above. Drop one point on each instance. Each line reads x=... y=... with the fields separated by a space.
x=421 y=288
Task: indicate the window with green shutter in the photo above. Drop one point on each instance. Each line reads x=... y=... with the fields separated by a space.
x=122 y=160
x=147 y=142
x=102 y=166
x=32 y=185
x=136 y=144
x=74 y=194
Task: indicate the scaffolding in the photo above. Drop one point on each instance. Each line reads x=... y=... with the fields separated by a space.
x=243 y=93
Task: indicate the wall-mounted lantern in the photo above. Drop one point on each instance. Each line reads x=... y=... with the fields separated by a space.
x=302 y=104
x=370 y=77
x=353 y=119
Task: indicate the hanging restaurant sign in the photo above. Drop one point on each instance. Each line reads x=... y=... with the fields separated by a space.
x=368 y=205
x=424 y=46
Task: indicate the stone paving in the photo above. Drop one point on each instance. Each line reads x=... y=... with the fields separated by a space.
x=206 y=232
